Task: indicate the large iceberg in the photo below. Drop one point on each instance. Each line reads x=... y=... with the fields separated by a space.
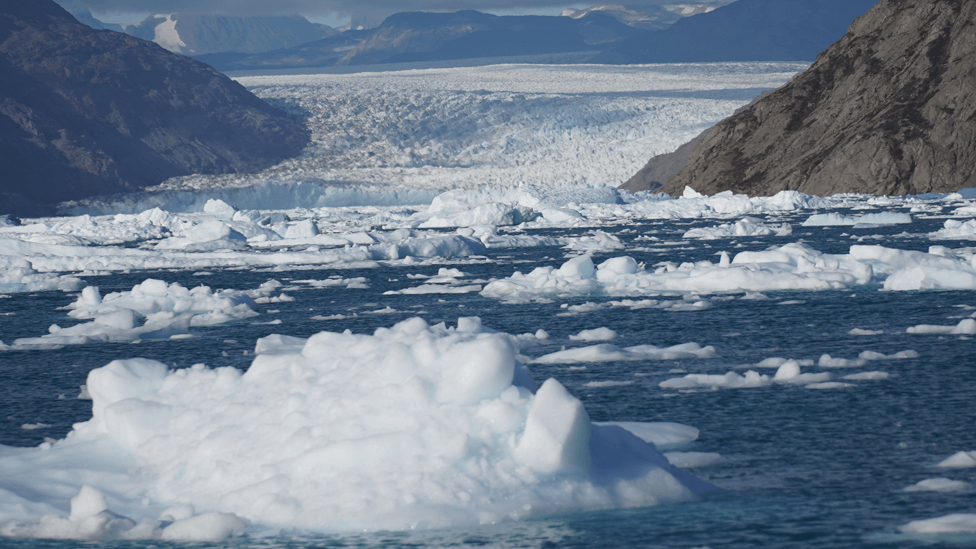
x=414 y=426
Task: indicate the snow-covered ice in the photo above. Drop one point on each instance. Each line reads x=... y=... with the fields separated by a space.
x=442 y=424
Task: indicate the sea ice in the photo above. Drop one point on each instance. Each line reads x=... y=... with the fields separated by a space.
x=937 y=485
x=957 y=523
x=747 y=226
x=959 y=460
x=415 y=426
x=606 y=352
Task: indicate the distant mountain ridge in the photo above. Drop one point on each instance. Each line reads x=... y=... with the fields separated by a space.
x=745 y=30
x=888 y=109
x=426 y=36
x=201 y=33
x=647 y=17
x=86 y=112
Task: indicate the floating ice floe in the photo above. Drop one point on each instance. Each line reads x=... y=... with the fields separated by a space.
x=938 y=485
x=827 y=361
x=606 y=352
x=959 y=460
x=792 y=266
x=153 y=309
x=446 y=282
x=747 y=226
x=866 y=220
x=788 y=373
x=18 y=275
x=415 y=426
x=965 y=326
x=596 y=334
x=954 y=229
x=957 y=523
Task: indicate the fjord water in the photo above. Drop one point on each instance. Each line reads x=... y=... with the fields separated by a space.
x=801 y=467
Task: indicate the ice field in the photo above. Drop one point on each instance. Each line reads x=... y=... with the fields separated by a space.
x=443 y=325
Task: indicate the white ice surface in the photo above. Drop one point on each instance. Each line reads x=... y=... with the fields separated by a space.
x=956 y=523
x=415 y=426
x=938 y=485
x=959 y=460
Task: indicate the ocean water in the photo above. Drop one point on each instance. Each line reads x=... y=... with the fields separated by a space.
x=801 y=467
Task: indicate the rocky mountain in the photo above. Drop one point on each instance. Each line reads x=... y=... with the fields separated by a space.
x=888 y=109
x=86 y=112
x=85 y=16
x=745 y=30
x=647 y=17
x=201 y=33
x=423 y=36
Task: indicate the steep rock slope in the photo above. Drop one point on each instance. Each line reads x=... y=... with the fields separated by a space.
x=745 y=30
x=86 y=112
x=888 y=109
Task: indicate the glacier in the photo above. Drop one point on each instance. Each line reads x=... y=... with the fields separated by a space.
x=429 y=425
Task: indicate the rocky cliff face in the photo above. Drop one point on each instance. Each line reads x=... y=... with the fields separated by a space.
x=86 y=112
x=888 y=109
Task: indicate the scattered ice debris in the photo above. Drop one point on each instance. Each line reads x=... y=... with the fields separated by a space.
x=959 y=460
x=153 y=309
x=18 y=275
x=862 y=332
x=827 y=361
x=788 y=372
x=599 y=241
x=965 y=326
x=954 y=229
x=446 y=282
x=603 y=384
x=747 y=226
x=357 y=283
x=957 y=523
x=441 y=425
x=731 y=380
x=596 y=334
x=606 y=352
x=871 y=219
x=867 y=376
x=938 y=485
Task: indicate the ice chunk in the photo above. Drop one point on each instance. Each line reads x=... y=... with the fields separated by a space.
x=211 y=526
x=596 y=334
x=959 y=460
x=557 y=432
x=937 y=485
x=957 y=523
x=413 y=426
x=219 y=209
x=606 y=352
x=965 y=326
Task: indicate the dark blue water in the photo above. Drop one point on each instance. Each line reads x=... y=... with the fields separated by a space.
x=803 y=467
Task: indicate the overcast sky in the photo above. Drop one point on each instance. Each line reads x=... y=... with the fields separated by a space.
x=128 y=11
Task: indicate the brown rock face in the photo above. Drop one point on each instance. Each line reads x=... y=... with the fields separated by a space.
x=888 y=109
x=86 y=112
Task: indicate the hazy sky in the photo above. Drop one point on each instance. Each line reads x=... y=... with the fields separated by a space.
x=128 y=11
